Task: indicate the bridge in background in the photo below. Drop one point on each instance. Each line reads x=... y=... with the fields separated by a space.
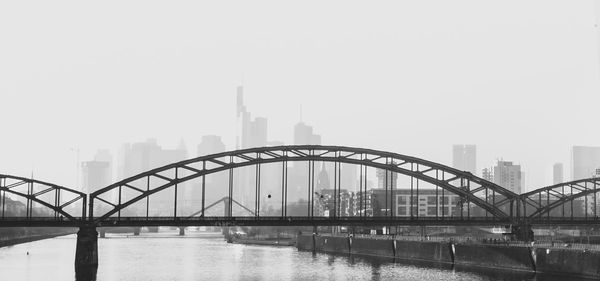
x=264 y=174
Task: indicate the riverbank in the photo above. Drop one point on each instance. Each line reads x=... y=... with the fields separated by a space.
x=31 y=238
x=584 y=263
x=262 y=242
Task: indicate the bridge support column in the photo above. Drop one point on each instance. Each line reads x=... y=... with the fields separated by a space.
x=136 y=231
x=181 y=231
x=523 y=232
x=102 y=232
x=86 y=253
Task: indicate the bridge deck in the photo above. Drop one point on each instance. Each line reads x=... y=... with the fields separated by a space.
x=284 y=221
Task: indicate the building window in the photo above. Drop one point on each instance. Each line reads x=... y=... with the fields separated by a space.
x=431 y=200
x=401 y=211
x=402 y=200
x=431 y=211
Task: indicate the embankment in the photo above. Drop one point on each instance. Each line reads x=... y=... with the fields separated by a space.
x=556 y=261
x=21 y=240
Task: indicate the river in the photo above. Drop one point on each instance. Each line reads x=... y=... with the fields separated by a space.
x=197 y=256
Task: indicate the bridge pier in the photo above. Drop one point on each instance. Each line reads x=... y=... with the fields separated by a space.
x=86 y=253
x=136 y=231
x=523 y=232
x=102 y=232
x=182 y=231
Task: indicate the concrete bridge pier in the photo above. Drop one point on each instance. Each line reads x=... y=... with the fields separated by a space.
x=102 y=232
x=136 y=231
x=523 y=232
x=182 y=231
x=86 y=253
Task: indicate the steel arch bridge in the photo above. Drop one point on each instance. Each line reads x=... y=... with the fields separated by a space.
x=557 y=202
x=496 y=203
x=60 y=203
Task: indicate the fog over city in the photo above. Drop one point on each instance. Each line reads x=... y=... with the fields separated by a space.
x=518 y=79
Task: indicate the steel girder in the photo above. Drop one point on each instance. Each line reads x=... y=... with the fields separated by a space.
x=545 y=199
x=470 y=188
x=38 y=191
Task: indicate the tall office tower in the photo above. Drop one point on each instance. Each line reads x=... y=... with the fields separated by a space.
x=584 y=161
x=210 y=144
x=508 y=175
x=250 y=133
x=303 y=134
x=143 y=156
x=464 y=158
x=97 y=173
x=557 y=173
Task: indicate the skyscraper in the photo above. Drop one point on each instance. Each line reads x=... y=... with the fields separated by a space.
x=557 y=173
x=250 y=133
x=508 y=175
x=303 y=134
x=464 y=158
x=585 y=160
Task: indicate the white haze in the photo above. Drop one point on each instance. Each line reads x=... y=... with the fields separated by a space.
x=518 y=78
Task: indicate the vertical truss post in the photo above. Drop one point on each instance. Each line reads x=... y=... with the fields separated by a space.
x=365 y=188
x=56 y=203
x=444 y=196
x=308 y=198
x=571 y=203
x=595 y=203
x=119 y=212
x=147 y=197
x=83 y=208
x=548 y=204
x=411 y=191
x=393 y=196
x=360 y=191
x=563 y=205
x=468 y=201
x=339 y=211
x=203 y=186
x=175 y=205
x=585 y=199
x=335 y=164
x=417 y=193
x=257 y=191
x=385 y=184
x=437 y=195
x=312 y=210
x=286 y=186
x=230 y=199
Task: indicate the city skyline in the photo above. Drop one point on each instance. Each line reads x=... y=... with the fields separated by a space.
x=508 y=103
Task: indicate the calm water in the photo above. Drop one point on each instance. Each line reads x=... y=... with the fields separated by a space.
x=166 y=256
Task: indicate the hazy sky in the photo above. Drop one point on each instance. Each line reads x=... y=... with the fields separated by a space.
x=518 y=78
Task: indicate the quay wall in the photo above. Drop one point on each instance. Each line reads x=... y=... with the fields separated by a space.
x=555 y=261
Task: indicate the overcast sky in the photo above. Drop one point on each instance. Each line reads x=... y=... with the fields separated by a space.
x=518 y=78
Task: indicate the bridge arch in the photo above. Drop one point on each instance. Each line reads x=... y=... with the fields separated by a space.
x=543 y=201
x=470 y=188
x=37 y=192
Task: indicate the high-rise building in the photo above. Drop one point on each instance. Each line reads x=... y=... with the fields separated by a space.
x=487 y=174
x=508 y=175
x=250 y=133
x=557 y=173
x=143 y=156
x=384 y=176
x=303 y=134
x=584 y=161
x=96 y=175
x=210 y=144
x=464 y=158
